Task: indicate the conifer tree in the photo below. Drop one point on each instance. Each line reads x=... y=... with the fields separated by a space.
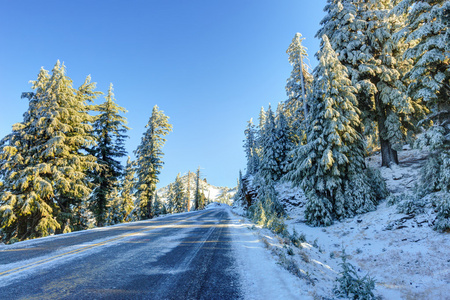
x=127 y=192
x=250 y=146
x=149 y=160
x=179 y=197
x=428 y=32
x=188 y=192
x=109 y=131
x=158 y=206
x=42 y=161
x=241 y=190
x=200 y=199
x=283 y=144
x=362 y=33
x=333 y=155
x=297 y=88
x=269 y=168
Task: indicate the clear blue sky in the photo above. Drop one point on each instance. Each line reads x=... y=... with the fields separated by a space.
x=209 y=65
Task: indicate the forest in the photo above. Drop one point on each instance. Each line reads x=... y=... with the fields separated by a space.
x=382 y=82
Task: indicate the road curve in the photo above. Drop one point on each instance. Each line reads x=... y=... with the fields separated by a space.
x=184 y=256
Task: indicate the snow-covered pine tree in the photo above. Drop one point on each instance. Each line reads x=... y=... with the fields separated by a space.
x=127 y=192
x=269 y=169
x=250 y=146
x=283 y=145
x=188 y=192
x=42 y=161
x=110 y=133
x=179 y=198
x=428 y=33
x=298 y=86
x=170 y=200
x=361 y=32
x=158 y=207
x=239 y=197
x=334 y=153
x=200 y=198
x=149 y=160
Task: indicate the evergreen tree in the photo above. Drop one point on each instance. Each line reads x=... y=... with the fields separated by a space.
x=158 y=206
x=200 y=199
x=42 y=161
x=149 y=160
x=179 y=197
x=241 y=190
x=283 y=144
x=170 y=200
x=297 y=87
x=428 y=32
x=188 y=192
x=333 y=155
x=269 y=169
x=250 y=146
x=127 y=192
x=109 y=131
x=362 y=33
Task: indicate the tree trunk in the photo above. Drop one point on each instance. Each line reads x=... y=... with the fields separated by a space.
x=388 y=155
x=149 y=207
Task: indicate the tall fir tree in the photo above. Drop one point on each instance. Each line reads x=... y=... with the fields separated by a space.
x=361 y=32
x=200 y=199
x=298 y=86
x=43 y=163
x=428 y=33
x=334 y=153
x=109 y=131
x=283 y=145
x=179 y=195
x=250 y=146
x=127 y=192
x=269 y=168
x=149 y=160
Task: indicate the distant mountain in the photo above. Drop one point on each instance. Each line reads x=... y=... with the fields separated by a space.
x=212 y=193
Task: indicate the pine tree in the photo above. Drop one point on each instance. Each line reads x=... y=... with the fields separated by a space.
x=179 y=197
x=109 y=130
x=297 y=88
x=200 y=199
x=127 y=192
x=188 y=192
x=269 y=168
x=362 y=33
x=334 y=152
x=283 y=145
x=43 y=163
x=170 y=200
x=428 y=33
x=149 y=160
x=250 y=146
x=239 y=197
x=158 y=206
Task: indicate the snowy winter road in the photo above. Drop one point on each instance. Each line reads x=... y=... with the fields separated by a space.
x=199 y=255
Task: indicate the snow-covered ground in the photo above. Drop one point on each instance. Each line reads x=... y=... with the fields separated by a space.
x=407 y=258
x=261 y=276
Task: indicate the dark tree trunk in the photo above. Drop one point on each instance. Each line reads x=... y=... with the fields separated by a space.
x=388 y=155
x=149 y=207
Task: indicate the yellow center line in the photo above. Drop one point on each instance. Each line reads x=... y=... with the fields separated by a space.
x=85 y=248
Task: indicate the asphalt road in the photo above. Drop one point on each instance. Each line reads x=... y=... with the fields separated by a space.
x=185 y=256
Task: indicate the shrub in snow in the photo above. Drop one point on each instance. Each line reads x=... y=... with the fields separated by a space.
x=412 y=206
x=442 y=222
x=350 y=285
x=267 y=211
